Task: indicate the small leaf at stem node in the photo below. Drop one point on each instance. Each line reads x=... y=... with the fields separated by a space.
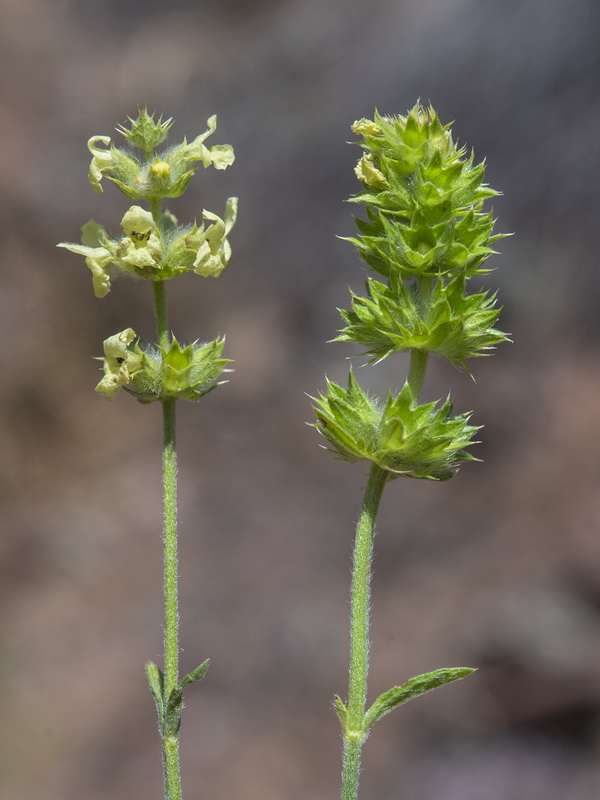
x=420 y=684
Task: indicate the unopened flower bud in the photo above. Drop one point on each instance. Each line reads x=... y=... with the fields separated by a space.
x=145 y=133
x=161 y=168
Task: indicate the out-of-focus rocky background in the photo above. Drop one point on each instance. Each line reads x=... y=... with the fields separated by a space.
x=499 y=567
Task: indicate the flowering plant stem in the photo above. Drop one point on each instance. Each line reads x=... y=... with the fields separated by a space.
x=355 y=733
x=426 y=234
x=171 y=769
x=170 y=742
x=171 y=633
x=172 y=778
x=155 y=247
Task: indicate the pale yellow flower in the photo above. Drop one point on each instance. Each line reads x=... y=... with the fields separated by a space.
x=141 y=245
x=221 y=155
x=367 y=172
x=214 y=250
x=98 y=257
x=366 y=127
x=102 y=159
x=120 y=363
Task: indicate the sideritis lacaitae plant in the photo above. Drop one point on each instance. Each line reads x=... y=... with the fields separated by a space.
x=425 y=235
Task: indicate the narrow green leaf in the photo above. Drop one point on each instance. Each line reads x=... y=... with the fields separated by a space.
x=412 y=688
x=195 y=675
x=175 y=701
x=341 y=709
x=156 y=681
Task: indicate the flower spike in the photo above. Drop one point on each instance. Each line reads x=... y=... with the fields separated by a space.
x=154 y=246
x=425 y=234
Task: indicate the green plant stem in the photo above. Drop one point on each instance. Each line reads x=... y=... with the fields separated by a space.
x=155 y=209
x=158 y=287
x=171 y=769
x=418 y=358
x=160 y=313
x=170 y=741
x=172 y=779
x=354 y=732
x=170 y=544
x=416 y=373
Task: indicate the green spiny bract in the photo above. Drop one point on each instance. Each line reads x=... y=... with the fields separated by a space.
x=452 y=325
x=399 y=436
x=421 y=247
x=145 y=133
x=157 y=373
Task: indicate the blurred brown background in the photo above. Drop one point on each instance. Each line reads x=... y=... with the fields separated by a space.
x=499 y=568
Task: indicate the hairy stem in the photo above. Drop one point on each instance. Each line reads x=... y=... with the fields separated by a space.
x=418 y=358
x=416 y=373
x=170 y=741
x=160 y=313
x=170 y=544
x=354 y=733
x=171 y=770
x=155 y=209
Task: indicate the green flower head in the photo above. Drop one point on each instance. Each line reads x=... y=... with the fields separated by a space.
x=424 y=196
x=164 y=175
x=453 y=325
x=152 y=373
x=179 y=373
x=399 y=436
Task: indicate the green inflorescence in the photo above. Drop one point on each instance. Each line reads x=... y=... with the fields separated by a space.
x=157 y=373
x=403 y=438
x=155 y=246
x=453 y=325
x=165 y=174
x=426 y=234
